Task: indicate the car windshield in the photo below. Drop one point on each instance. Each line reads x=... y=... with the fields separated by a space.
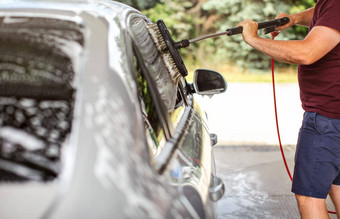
x=38 y=64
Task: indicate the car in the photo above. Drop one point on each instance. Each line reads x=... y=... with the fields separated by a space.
x=93 y=124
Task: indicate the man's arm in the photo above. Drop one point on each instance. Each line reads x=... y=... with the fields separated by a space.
x=317 y=43
x=302 y=19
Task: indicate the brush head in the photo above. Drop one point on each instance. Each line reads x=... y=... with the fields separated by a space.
x=166 y=45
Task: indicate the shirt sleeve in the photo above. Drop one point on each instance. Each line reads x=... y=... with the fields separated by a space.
x=330 y=15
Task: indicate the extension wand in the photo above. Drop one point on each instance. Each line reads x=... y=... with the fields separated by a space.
x=268 y=25
x=169 y=48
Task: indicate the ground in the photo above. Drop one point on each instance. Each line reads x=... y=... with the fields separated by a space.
x=257 y=184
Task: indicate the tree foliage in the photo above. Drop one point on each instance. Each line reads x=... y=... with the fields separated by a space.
x=140 y=5
x=230 y=14
x=175 y=15
x=300 y=5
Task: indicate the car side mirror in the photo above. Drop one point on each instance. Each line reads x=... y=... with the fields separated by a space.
x=208 y=82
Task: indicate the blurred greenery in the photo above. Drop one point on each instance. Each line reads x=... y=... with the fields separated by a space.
x=188 y=19
x=140 y=5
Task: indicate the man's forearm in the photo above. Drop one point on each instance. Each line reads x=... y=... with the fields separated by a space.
x=305 y=52
x=303 y=18
x=291 y=52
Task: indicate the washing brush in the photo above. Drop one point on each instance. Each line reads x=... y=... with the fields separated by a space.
x=169 y=48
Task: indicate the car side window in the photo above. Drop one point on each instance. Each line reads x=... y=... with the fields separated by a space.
x=153 y=129
x=161 y=95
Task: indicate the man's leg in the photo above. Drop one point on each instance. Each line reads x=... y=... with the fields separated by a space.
x=335 y=196
x=310 y=207
x=316 y=165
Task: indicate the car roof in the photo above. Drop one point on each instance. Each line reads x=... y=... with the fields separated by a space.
x=103 y=7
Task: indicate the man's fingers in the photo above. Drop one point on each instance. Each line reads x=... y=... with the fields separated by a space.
x=275 y=33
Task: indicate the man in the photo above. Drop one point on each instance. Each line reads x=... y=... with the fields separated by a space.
x=317 y=159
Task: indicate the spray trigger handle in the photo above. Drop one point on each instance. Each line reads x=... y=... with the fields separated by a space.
x=269 y=30
x=261 y=25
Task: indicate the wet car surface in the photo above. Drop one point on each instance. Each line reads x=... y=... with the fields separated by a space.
x=92 y=123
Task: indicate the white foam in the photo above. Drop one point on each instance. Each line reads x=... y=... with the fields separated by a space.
x=17 y=136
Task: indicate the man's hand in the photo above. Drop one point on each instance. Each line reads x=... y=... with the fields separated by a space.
x=249 y=29
x=279 y=28
x=289 y=24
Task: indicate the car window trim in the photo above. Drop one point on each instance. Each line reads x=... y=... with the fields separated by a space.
x=163 y=159
x=183 y=93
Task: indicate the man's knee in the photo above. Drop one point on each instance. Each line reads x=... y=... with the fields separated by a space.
x=310 y=206
x=302 y=199
x=307 y=199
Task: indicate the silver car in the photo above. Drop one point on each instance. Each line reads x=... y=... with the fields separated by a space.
x=92 y=122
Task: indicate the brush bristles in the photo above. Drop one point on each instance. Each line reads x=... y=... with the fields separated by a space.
x=171 y=66
x=157 y=37
x=161 y=46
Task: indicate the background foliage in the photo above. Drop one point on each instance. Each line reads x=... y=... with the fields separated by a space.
x=191 y=18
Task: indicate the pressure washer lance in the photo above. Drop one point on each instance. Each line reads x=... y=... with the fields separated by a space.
x=169 y=48
x=268 y=25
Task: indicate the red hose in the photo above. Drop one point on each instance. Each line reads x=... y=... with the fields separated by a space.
x=277 y=124
x=278 y=130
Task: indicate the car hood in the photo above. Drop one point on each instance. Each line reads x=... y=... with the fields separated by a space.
x=23 y=199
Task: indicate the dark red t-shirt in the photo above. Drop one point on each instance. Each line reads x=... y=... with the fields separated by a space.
x=320 y=82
